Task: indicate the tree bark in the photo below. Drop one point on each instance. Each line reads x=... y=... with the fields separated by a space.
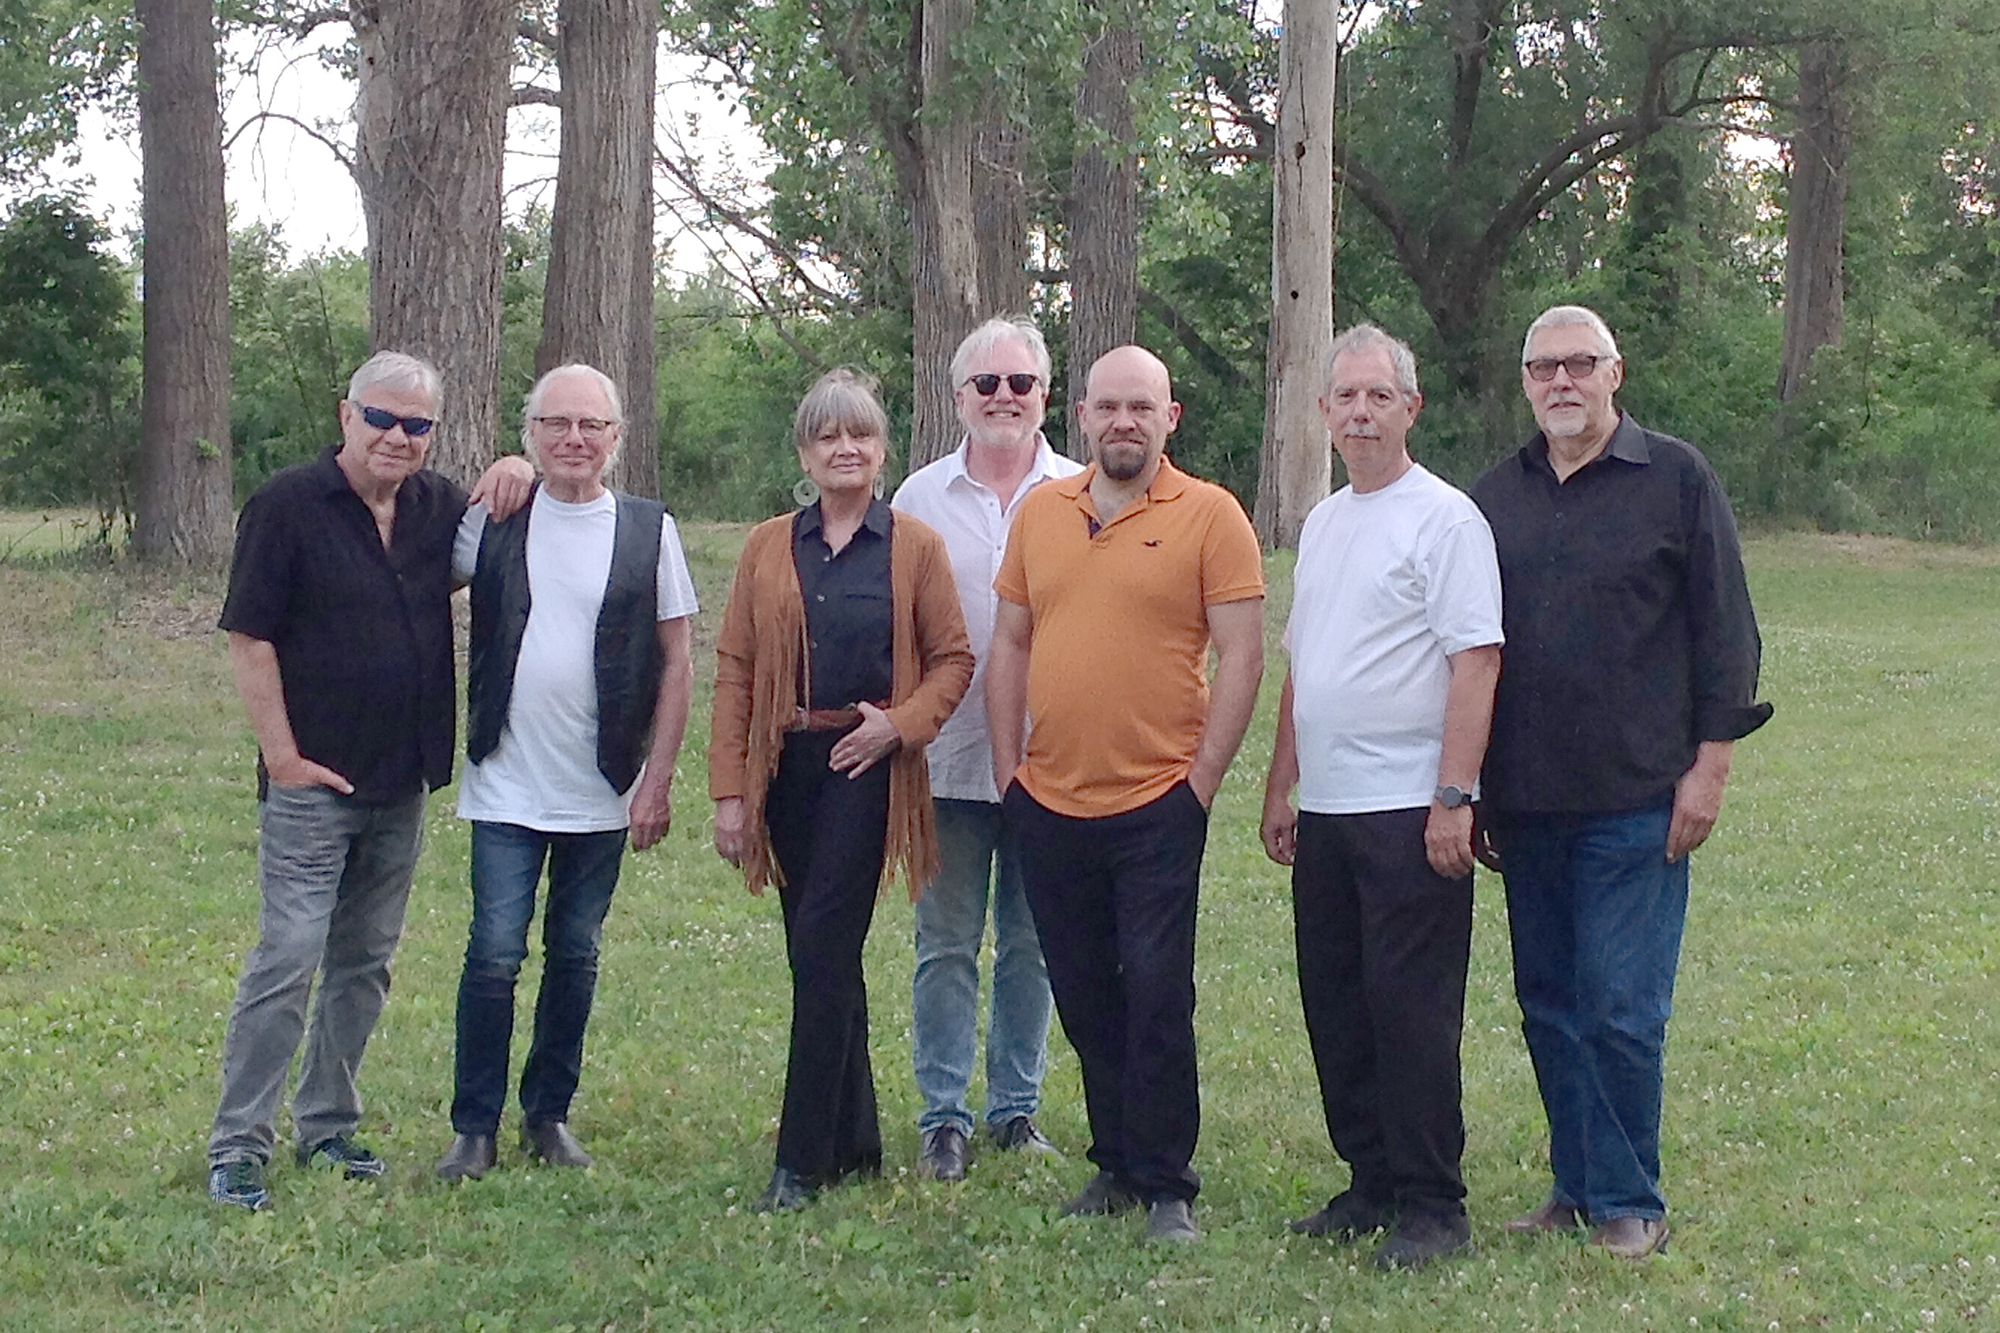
x=945 y=252
x=1103 y=208
x=1815 y=217
x=430 y=120
x=184 y=505
x=640 y=455
x=1297 y=462
x=1000 y=214
x=600 y=232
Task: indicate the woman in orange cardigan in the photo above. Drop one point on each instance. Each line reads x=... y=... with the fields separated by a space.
x=842 y=652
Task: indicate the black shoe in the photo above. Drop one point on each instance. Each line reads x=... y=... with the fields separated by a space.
x=239 y=1185
x=1020 y=1135
x=788 y=1192
x=343 y=1154
x=1349 y=1215
x=943 y=1154
x=1172 y=1220
x=1102 y=1197
x=550 y=1141
x=469 y=1157
x=1422 y=1237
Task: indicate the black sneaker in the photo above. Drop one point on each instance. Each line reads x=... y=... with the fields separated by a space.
x=1349 y=1215
x=1020 y=1135
x=341 y=1153
x=239 y=1185
x=1422 y=1237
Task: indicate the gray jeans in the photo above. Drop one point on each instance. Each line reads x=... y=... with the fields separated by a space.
x=335 y=876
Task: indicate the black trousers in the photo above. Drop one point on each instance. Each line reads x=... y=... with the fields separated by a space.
x=1383 y=942
x=828 y=831
x=1114 y=903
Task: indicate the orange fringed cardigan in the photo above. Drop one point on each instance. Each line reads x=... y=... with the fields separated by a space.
x=758 y=657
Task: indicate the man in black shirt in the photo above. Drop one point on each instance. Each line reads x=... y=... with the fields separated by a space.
x=1629 y=674
x=339 y=624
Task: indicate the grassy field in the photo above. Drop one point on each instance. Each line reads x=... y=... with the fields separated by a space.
x=1833 y=1099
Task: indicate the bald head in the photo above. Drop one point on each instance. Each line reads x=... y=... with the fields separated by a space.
x=1127 y=412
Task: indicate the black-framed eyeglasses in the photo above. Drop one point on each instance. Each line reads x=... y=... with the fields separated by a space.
x=1580 y=366
x=381 y=418
x=988 y=385
x=591 y=428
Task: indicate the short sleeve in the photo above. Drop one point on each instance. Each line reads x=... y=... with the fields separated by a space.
x=260 y=571
x=1462 y=586
x=675 y=585
x=1232 y=564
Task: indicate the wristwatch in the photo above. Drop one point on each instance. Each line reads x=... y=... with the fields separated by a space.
x=1452 y=797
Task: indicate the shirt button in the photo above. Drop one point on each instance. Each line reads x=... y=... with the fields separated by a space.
x=820 y=598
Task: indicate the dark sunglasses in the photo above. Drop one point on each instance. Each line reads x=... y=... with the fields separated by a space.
x=987 y=385
x=1579 y=366
x=381 y=418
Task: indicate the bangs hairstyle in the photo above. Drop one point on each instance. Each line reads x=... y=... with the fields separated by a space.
x=398 y=372
x=1568 y=316
x=843 y=397
x=1000 y=329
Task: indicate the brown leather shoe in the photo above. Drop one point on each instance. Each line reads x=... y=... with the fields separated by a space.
x=1633 y=1238
x=469 y=1157
x=1548 y=1216
x=550 y=1141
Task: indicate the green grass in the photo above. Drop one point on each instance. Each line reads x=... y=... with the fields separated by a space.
x=1833 y=1089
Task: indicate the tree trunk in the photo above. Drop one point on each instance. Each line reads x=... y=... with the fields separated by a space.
x=1103 y=209
x=603 y=211
x=1815 y=216
x=945 y=253
x=430 y=119
x=1297 y=463
x=640 y=454
x=184 y=503
x=1000 y=215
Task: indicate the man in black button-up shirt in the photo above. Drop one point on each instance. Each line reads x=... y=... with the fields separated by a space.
x=339 y=624
x=1630 y=672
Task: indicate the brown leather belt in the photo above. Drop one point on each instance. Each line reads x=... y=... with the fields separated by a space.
x=826 y=719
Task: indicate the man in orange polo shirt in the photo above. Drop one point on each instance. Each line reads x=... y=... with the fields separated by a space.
x=1114 y=585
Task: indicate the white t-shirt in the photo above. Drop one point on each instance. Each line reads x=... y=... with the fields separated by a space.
x=1388 y=585
x=543 y=774
x=973 y=523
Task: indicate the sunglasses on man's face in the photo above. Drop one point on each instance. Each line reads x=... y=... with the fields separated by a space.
x=988 y=385
x=381 y=419
x=1580 y=366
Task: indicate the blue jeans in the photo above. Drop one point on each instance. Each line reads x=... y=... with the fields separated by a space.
x=951 y=923
x=506 y=866
x=1596 y=911
x=335 y=876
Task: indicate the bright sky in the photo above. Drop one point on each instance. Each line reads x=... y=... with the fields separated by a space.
x=284 y=175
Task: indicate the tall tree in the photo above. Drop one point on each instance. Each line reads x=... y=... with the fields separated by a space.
x=184 y=510
x=1103 y=201
x=1297 y=463
x=599 y=295
x=944 y=248
x=1816 y=216
x=430 y=121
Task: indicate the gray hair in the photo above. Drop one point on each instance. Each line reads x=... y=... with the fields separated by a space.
x=1367 y=338
x=999 y=329
x=843 y=397
x=397 y=371
x=531 y=407
x=1569 y=316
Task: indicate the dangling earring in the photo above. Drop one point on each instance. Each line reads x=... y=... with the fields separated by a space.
x=805 y=492
x=881 y=487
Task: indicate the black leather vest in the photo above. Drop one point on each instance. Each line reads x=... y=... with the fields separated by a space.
x=628 y=657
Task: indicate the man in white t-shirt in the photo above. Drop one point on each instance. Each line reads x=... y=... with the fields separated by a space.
x=1000 y=381
x=1395 y=648
x=576 y=700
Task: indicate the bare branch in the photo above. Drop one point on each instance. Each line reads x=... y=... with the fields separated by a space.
x=536 y=35
x=533 y=94
x=742 y=221
x=333 y=146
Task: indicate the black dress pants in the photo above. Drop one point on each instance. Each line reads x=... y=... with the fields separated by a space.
x=827 y=830
x=1114 y=903
x=1383 y=942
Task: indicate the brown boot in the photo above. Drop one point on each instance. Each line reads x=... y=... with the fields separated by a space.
x=1634 y=1238
x=1549 y=1216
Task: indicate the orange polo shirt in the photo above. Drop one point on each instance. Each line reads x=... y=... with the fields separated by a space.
x=1118 y=662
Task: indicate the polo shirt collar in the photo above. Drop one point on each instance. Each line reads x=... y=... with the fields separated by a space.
x=1169 y=483
x=1627 y=444
x=326 y=472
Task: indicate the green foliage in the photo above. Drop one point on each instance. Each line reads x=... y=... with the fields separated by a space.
x=55 y=57
x=68 y=373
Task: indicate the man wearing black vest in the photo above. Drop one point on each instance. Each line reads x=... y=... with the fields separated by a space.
x=576 y=700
